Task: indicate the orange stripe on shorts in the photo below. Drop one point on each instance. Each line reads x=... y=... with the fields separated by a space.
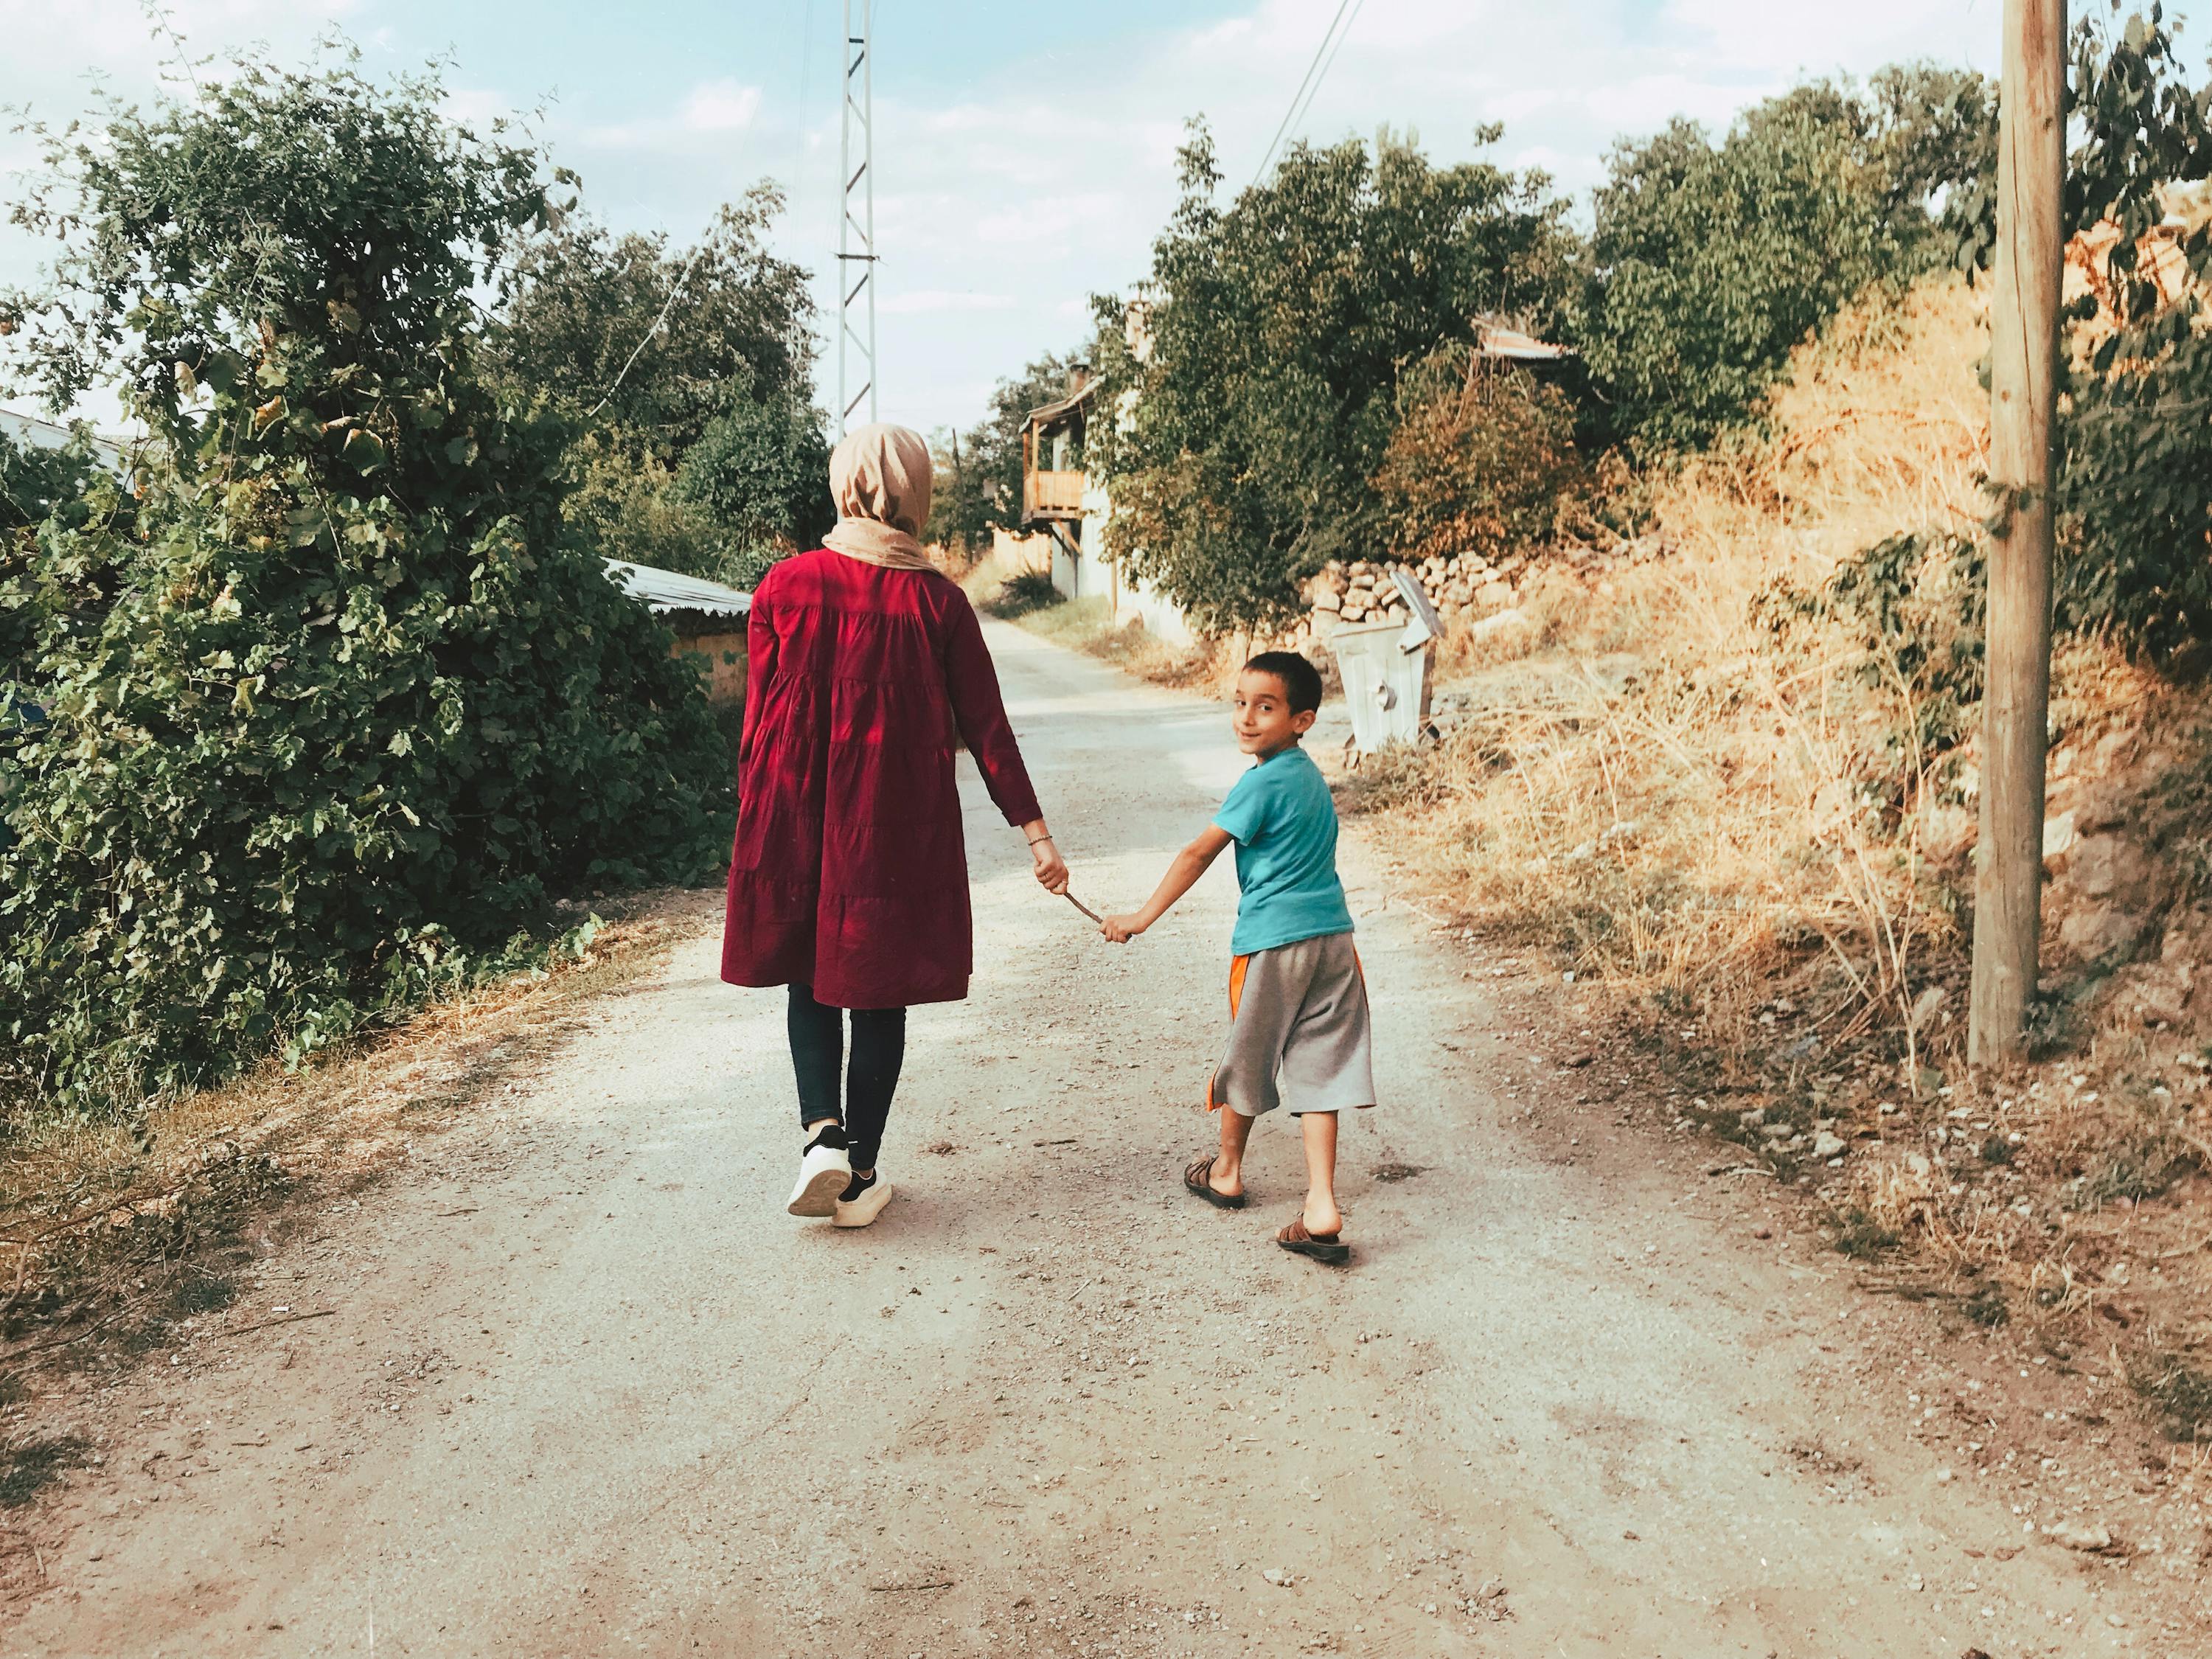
x=1237 y=966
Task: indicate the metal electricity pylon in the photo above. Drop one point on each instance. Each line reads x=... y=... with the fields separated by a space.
x=856 y=265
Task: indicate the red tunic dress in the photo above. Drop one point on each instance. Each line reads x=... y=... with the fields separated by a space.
x=850 y=873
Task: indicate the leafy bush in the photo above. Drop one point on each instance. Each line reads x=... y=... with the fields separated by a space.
x=1479 y=461
x=340 y=694
x=2134 y=490
x=36 y=483
x=1023 y=591
x=1917 y=604
x=760 y=475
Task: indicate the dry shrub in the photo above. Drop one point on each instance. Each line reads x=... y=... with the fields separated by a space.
x=1479 y=461
x=1675 y=790
x=116 y=1227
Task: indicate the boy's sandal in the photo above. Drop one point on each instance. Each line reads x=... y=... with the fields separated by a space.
x=1199 y=1179
x=1322 y=1247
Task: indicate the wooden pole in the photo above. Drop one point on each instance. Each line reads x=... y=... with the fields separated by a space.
x=2023 y=392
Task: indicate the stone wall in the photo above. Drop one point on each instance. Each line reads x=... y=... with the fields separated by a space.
x=1467 y=584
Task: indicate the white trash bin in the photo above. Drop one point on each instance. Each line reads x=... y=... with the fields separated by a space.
x=1385 y=670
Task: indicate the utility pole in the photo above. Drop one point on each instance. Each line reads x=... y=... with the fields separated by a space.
x=857 y=224
x=2023 y=397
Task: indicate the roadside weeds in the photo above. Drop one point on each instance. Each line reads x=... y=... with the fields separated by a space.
x=117 y=1234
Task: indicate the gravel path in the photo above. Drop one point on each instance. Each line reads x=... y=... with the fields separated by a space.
x=587 y=1390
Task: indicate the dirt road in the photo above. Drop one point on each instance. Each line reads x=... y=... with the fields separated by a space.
x=585 y=1389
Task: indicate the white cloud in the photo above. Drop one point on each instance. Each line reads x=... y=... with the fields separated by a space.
x=1786 y=39
x=703 y=124
x=1007 y=196
x=720 y=107
x=935 y=301
x=1062 y=197
x=474 y=106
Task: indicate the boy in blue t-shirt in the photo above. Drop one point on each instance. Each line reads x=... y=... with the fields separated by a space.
x=1297 y=1003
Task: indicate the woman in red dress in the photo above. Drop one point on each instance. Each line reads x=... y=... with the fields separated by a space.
x=848 y=882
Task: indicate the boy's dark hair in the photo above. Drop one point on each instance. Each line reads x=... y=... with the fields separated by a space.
x=1300 y=679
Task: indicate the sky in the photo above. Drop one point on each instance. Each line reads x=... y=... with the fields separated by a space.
x=1023 y=152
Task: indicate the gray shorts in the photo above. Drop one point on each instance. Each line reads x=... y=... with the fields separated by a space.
x=1298 y=1033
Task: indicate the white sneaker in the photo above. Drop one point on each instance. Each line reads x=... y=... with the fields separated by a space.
x=864 y=1208
x=823 y=1174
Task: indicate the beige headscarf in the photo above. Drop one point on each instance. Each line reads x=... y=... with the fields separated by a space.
x=880 y=475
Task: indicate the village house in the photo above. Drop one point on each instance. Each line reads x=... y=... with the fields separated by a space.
x=1060 y=499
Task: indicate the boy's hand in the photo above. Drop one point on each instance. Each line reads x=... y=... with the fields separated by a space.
x=1120 y=930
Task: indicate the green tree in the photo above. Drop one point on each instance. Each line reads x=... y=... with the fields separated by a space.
x=339 y=693
x=1710 y=263
x=979 y=473
x=686 y=374
x=1280 y=328
x=760 y=474
x=35 y=482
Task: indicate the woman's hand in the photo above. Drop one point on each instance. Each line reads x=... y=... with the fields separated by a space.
x=1120 y=930
x=1051 y=868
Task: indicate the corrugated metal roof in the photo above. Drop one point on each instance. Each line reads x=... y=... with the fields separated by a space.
x=1067 y=406
x=28 y=431
x=669 y=590
x=1493 y=341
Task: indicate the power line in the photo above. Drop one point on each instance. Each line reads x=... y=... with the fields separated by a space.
x=667 y=306
x=1299 y=119
x=1342 y=7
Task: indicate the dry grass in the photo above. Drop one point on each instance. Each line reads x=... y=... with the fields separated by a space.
x=119 y=1228
x=1723 y=825
x=1085 y=625
x=1654 y=777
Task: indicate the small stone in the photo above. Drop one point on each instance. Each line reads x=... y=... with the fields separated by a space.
x=1762 y=1230
x=2089 y=1537
x=1827 y=1144
x=1277 y=1575
x=1943 y=1477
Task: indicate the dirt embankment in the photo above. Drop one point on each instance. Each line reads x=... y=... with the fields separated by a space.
x=1743 y=825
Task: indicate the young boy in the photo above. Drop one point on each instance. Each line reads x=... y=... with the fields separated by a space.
x=1297 y=1004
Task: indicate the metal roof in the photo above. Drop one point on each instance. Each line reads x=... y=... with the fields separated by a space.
x=29 y=432
x=1067 y=406
x=669 y=590
x=1493 y=340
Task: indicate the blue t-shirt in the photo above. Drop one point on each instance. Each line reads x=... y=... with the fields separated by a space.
x=1283 y=823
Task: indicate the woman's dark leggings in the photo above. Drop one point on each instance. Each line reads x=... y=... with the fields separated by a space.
x=818 y=1056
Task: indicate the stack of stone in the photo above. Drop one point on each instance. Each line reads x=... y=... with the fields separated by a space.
x=1463 y=585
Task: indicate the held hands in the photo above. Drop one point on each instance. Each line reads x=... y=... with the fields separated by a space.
x=1120 y=930
x=1051 y=868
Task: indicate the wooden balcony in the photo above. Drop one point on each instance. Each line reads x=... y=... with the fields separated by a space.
x=1052 y=496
